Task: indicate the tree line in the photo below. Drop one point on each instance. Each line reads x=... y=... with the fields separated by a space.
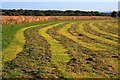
x=21 y=12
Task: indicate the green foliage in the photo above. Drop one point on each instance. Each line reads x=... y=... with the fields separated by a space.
x=52 y=13
x=60 y=49
x=9 y=30
x=114 y=14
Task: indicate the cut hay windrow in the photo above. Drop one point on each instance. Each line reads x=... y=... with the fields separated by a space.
x=62 y=49
x=35 y=55
x=109 y=39
x=81 y=29
x=59 y=55
x=91 y=31
x=100 y=31
x=80 y=33
x=64 y=32
x=108 y=28
x=110 y=23
x=74 y=50
x=16 y=46
x=113 y=25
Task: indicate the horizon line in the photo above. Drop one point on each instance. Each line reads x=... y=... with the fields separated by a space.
x=56 y=9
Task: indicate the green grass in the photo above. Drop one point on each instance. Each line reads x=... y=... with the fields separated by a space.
x=14 y=73
x=51 y=50
x=113 y=25
x=82 y=31
x=79 y=30
x=59 y=55
x=9 y=31
x=103 y=32
x=16 y=45
x=17 y=42
x=108 y=27
x=64 y=32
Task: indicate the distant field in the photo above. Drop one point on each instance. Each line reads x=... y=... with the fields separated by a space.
x=24 y=19
x=72 y=48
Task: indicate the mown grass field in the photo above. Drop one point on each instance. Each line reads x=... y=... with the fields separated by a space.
x=84 y=48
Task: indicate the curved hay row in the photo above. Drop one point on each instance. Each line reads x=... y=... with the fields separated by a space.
x=16 y=46
x=91 y=31
x=75 y=50
x=64 y=32
x=81 y=29
x=109 y=29
x=93 y=27
x=110 y=25
x=113 y=25
x=59 y=55
x=86 y=37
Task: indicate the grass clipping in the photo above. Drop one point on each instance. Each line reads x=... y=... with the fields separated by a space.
x=16 y=46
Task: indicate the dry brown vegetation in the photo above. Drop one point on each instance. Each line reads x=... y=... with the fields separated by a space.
x=84 y=48
x=23 y=19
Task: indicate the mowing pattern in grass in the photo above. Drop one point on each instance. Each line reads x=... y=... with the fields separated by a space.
x=59 y=55
x=102 y=32
x=9 y=31
x=107 y=28
x=82 y=30
x=66 y=49
x=83 y=61
x=64 y=32
x=94 y=32
x=35 y=57
x=16 y=46
x=103 y=37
